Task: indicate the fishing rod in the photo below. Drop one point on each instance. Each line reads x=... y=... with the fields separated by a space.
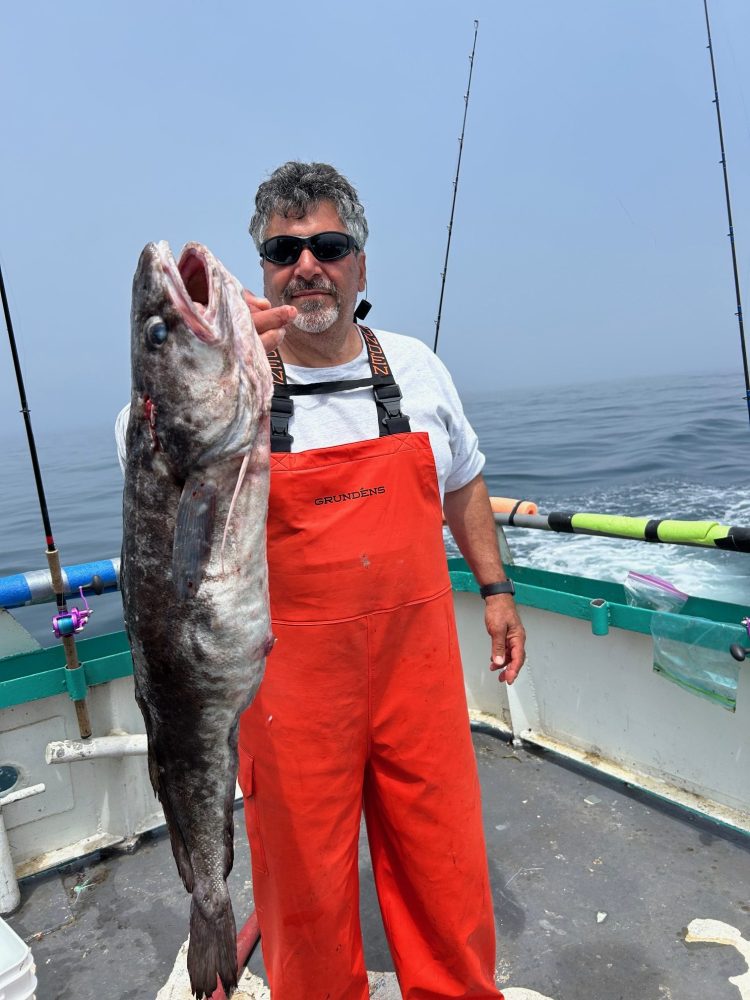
x=444 y=272
x=704 y=534
x=723 y=162
x=65 y=622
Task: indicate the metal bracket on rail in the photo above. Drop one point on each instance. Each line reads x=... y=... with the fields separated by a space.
x=740 y=652
x=599 y=616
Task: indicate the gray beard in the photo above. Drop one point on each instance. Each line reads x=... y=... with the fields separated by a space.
x=314 y=318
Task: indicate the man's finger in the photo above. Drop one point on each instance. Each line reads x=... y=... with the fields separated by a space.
x=498 y=655
x=498 y=660
x=271 y=340
x=515 y=656
x=255 y=301
x=269 y=320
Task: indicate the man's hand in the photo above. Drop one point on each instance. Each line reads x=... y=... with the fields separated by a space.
x=507 y=634
x=469 y=516
x=269 y=321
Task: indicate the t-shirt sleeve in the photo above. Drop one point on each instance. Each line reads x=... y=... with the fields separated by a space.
x=121 y=429
x=467 y=459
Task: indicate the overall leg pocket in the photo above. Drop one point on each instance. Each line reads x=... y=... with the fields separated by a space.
x=246 y=779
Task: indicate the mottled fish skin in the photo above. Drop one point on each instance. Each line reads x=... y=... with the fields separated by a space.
x=196 y=605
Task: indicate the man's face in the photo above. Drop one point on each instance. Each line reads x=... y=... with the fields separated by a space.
x=323 y=292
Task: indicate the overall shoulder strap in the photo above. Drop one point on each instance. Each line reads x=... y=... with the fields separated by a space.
x=282 y=405
x=387 y=394
x=385 y=389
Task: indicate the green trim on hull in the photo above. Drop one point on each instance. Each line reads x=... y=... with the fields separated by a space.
x=41 y=673
x=570 y=595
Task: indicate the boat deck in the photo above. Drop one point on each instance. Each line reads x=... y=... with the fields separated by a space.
x=595 y=887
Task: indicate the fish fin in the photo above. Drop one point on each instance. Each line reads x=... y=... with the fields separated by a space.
x=193 y=531
x=229 y=797
x=179 y=848
x=212 y=951
x=229 y=824
x=229 y=846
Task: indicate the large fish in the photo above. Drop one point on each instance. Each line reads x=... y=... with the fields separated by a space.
x=194 y=577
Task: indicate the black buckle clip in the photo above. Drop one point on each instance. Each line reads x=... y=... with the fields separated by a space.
x=388 y=398
x=282 y=408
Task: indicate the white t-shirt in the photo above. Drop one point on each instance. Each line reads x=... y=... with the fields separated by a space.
x=429 y=400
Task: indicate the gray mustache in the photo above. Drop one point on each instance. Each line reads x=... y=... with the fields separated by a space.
x=300 y=285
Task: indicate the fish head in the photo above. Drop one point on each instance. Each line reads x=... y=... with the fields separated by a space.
x=200 y=377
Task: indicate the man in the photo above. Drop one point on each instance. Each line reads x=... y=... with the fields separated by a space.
x=363 y=702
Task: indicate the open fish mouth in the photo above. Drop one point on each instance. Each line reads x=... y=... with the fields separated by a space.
x=209 y=302
x=193 y=287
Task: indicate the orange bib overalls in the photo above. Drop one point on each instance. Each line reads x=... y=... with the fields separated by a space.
x=363 y=704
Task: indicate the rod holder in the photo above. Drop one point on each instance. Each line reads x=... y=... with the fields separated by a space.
x=599 y=616
x=117 y=745
x=75 y=682
x=10 y=894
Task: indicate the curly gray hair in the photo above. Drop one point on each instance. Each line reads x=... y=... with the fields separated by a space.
x=294 y=188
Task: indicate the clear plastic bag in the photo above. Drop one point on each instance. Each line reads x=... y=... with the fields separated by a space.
x=644 y=591
x=694 y=653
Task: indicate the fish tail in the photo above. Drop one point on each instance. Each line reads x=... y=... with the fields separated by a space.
x=212 y=951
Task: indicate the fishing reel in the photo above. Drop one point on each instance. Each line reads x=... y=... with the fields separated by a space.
x=67 y=623
x=740 y=652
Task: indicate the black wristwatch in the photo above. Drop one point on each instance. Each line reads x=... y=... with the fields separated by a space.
x=504 y=587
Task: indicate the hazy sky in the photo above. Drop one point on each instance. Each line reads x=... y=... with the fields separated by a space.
x=590 y=235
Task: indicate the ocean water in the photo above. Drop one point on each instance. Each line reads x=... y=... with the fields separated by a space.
x=674 y=447
x=658 y=447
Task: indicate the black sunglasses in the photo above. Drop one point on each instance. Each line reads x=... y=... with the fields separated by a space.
x=324 y=247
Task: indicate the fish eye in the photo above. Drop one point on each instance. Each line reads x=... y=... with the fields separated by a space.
x=156 y=331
